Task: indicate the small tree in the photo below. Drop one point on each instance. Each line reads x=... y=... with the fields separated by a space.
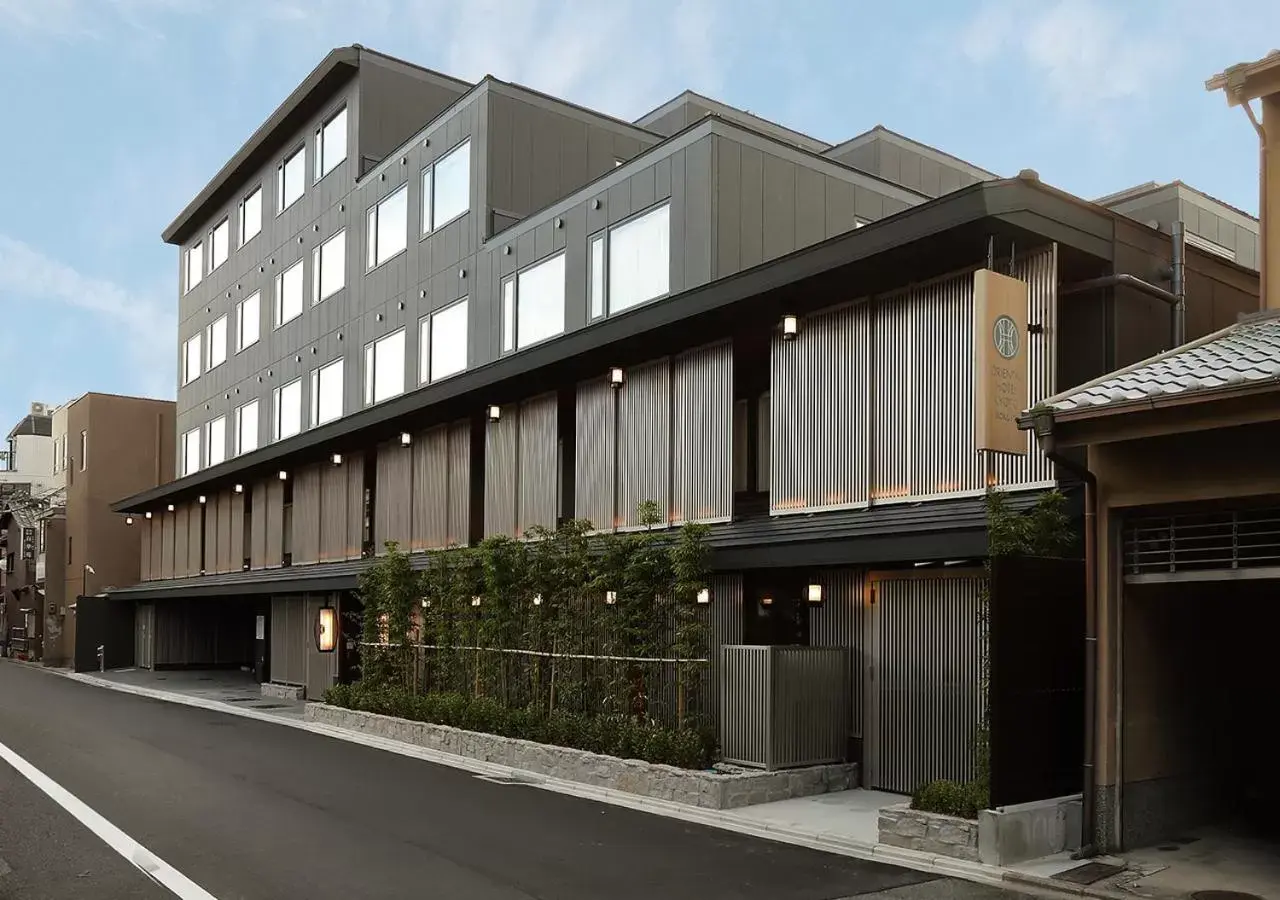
x=389 y=590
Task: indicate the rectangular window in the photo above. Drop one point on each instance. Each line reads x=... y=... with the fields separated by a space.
x=195 y=264
x=448 y=183
x=597 y=277
x=218 y=342
x=219 y=244
x=247 y=428
x=329 y=267
x=287 y=420
x=384 y=368
x=509 y=315
x=215 y=441
x=191 y=452
x=445 y=333
x=331 y=143
x=248 y=321
x=640 y=259
x=326 y=393
x=289 y=294
x=540 y=301
x=84 y=450
x=251 y=215
x=290 y=176
x=388 y=226
x=191 y=359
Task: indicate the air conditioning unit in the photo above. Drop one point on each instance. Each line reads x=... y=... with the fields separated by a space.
x=41 y=409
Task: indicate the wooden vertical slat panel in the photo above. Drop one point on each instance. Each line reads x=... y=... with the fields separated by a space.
x=644 y=440
x=235 y=544
x=458 y=531
x=223 y=561
x=500 y=476
x=167 y=531
x=392 y=515
x=275 y=523
x=333 y=512
x=181 y=519
x=538 y=491
x=430 y=489
x=306 y=515
x=258 y=527
x=595 y=454
x=144 y=564
x=355 y=505
x=157 y=547
x=195 y=539
x=212 y=531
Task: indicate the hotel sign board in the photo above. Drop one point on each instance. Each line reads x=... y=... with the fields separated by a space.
x=1000 y=361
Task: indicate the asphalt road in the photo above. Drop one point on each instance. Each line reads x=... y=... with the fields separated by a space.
x=249 y=809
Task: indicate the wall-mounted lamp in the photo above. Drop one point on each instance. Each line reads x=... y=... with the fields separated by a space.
x=495 y=413
x=766 y=600
x=405 y=439
x=284 y=476
x=475 y=601
x=616 y=377
x=326 y=629
x=814 y=595
x=611 y=597
x=203 y=499
x=171 y=507
x=426 y=603
x=704 y=596
x=128 y=520
x=336 y=459
x=147 y=514
x=537 y=599
x=790 y=328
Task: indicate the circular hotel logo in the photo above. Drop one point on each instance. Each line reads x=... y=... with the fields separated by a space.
x=1004 y=334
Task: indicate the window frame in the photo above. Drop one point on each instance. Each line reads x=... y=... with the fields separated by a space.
x=187 y=469
x=607 y=234
x=426 y=346
x=510 y=311
x=209 y=442
x=277 y=410
x=214 y=263
x=278 y=308
x=241 y=346
x=316 y=376
x=320 y=170
x=281 y=206
x=601 y=268
x=373 y=216
x=187 y=356
x=186 y=268
x=84 y=449
x=243 y=218
x=371 y=368
x=428 y=224
x=256 y=430
x=210 y=343
x=317 y=267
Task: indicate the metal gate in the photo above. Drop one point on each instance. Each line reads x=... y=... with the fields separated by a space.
x=144 y=641
x=923 y=679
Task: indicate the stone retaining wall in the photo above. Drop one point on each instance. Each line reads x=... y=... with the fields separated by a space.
x=902 y=826
x=707 y=789
x=283 y=691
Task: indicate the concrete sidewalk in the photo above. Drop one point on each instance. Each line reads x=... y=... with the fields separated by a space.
x=843 y=823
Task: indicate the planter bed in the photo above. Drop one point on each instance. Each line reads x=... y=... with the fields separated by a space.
x=912 y=829
x=719 y=788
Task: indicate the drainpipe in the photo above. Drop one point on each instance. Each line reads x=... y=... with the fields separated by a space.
x=1177 y=304
x=1178 y=279
x=1043 y=424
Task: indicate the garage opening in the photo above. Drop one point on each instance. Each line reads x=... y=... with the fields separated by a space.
x=197 y=634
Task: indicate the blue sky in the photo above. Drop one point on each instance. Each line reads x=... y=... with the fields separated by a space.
x=118 y=111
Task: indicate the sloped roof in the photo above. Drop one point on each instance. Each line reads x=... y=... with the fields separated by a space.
x=1241 y=355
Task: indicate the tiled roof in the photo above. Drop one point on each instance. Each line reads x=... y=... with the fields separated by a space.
x=1241 y=354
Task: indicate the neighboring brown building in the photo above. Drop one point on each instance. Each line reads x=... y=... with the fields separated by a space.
x=113 y=446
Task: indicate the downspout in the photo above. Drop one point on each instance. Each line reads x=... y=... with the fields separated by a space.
x=1178 y=279
x=1176 y=303
x=1043 y=424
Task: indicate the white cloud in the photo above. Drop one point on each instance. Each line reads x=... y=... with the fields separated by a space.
x=143 y=322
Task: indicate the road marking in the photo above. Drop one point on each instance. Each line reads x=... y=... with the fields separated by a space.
x=147 y=862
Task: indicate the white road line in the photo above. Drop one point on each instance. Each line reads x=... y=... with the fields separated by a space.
x=147 y=862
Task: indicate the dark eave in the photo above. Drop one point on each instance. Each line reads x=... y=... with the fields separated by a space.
x=1018 y=210
x=334 y=70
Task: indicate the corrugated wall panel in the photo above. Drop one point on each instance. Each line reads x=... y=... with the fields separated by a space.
x=144 y=542
x=236 y=545
x=459 y=476
x=333 y=512
x=723 y=629
x=762 y=444
x=195 y=539
x=644 y=440
x=275 y=523
x=181 y=540
x=355 y=504
x=211 y=531
x=167 y=533
x=838 y=622
x=595 y=453
x=306 y=514
x=822 y=376
x=702 y=435
x=893 y=399
x=289 y=627
x=430 y=488
x=258 y=526
x=538 y=457
x=230 y=520
x=926 y=700
x=392 y=505
x=501 y=443
x=157 y=546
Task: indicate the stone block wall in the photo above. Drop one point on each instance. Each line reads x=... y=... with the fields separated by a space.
x=911 y=829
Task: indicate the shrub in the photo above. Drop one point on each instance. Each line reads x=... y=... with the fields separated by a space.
x=951 y=798
x=612 y=735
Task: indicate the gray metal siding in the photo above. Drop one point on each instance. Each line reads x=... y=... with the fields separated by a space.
x=840 y=622
x=393 y=495
x=395 y=104
x=501 y=482
x=644 y=440
x=595 y=453
x=904 y=162
x=538 y=457
x=701 y=429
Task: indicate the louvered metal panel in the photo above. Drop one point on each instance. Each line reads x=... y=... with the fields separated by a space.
x=258 y=526
x=181 y=541
x=230 y=520
x=239 y=533
x=161 y=550
x=501 y=445
x=724 y=627
x=924 y=697
x=355 y=504
x=595 y=453
x=459 y=484
x=838 y=622
x=211 y=535
x=167 y=533
x=538 y=457
x=702 y=435
x=145 y=572
x=740 y=445
x=195 y=539
x=288 y=652
x=333 y=512
x=307 y=486
x=762 y=444
x=392 y=507
x=644 y=440
x=275 y=523
x=431 y=488
x=819 y=414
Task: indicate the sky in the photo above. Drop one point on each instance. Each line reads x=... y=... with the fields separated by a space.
x=115 y=113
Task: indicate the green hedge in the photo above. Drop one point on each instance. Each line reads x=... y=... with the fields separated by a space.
x=611 y=735
x=951 y=798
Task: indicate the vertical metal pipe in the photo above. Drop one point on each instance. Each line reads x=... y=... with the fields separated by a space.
x=1179 y=285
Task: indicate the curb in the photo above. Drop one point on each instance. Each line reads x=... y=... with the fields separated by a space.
x=725 y=820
